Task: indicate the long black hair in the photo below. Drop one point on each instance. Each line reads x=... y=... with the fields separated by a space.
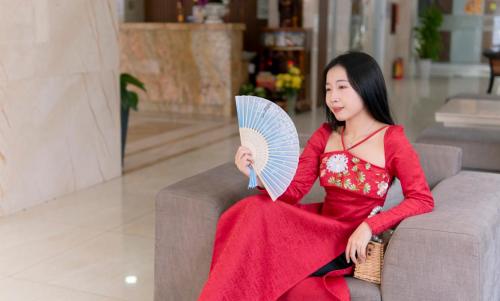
x=367 y=80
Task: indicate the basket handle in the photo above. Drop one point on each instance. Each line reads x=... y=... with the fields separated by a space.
x=372 y=213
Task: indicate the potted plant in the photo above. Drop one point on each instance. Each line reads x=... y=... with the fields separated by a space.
x=428 y=39
x=288 y=85
x=129 y=99
x=250 y=89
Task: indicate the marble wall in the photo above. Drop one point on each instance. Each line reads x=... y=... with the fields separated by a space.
x=59 y=98
x=186 y=68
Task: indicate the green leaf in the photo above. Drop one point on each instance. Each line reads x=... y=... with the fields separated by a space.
x=129 y=99
x=133 y=100
x=128 y=79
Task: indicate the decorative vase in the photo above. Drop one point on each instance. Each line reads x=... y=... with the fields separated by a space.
x=424 y=68
x=214 y=12
x=291 y=103
x=198 y=13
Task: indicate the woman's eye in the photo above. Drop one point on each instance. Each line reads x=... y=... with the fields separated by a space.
x=342 y=87
x=328 y=89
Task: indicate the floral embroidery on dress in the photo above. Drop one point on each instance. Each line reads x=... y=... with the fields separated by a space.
x=382 y=188
x=366 y=188
x=361 y=177
x=349 y=185
x=337 y=163
x=334 y=181
x=354 y=174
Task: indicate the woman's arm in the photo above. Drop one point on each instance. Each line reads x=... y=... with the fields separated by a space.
x=403 y=163
x=308 y=167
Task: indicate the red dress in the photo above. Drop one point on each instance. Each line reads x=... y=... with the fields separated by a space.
x=266 y=250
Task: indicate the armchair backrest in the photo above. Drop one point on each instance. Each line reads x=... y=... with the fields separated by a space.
x=438 y=162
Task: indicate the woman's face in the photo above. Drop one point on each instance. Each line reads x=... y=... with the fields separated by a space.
x=341 y=98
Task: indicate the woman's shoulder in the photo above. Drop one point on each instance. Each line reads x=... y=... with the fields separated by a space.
x=396 y=131
x=396 y=139
x=325 y=126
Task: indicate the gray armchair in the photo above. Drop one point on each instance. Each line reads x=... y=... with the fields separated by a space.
x=452 y=253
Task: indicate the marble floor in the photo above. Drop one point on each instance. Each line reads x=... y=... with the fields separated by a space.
x=98 y=244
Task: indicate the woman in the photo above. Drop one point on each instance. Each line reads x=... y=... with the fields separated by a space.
x=284 y=250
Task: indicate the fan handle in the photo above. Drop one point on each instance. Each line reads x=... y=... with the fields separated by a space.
x=253 y=178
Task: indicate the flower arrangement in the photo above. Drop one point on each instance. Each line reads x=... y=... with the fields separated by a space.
x=266 y=80
x=289 y=83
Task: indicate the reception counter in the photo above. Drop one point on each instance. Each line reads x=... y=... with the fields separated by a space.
x=186 y=68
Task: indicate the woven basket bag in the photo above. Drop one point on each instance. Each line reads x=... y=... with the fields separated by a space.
x=371 y=269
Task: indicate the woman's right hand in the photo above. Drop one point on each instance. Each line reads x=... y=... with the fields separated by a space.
x=243 y=159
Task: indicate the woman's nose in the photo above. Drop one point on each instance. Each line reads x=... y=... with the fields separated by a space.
x=333 y=98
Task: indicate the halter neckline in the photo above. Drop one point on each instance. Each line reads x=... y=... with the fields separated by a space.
x=368 y=137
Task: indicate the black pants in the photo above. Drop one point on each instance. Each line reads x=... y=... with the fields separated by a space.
x=336 y=264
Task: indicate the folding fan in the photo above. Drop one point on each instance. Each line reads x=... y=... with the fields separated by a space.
x=272 y=138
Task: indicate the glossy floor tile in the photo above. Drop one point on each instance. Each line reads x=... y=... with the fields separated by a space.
x=114 y=265
x=23 y=290
x=28 y=242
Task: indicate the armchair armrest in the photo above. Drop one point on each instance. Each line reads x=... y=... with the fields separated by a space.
x=186 y=217
x=452 y=253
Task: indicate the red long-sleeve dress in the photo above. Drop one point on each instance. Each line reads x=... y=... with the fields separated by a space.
x=267 y=250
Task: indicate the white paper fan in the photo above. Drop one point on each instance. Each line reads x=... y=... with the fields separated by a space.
x=272 y=138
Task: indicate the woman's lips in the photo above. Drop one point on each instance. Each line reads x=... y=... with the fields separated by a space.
x=336 y=110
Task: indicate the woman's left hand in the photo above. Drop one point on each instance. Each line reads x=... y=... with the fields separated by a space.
x=357 y=243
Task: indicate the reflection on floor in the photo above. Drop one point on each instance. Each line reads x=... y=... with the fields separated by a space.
x=98 y=244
